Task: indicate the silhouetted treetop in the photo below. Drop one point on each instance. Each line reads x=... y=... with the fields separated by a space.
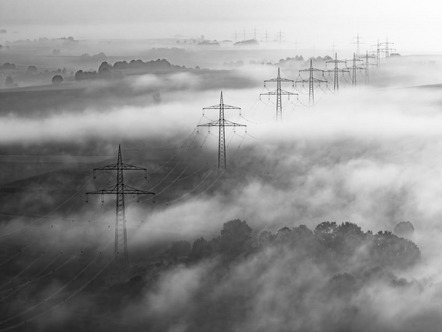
x=404 y=229
x=7 y=65
x=57 y=79
x=330 y=243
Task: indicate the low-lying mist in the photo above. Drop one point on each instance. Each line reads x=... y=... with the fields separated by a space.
x=365 y=155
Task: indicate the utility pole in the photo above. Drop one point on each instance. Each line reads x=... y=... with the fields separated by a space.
x=353 y=69
x=280 y=36
x=367 y=66
x=278 y=92
x=336 y=71
x=222 y=123
x=119 y=190
x=311 y=81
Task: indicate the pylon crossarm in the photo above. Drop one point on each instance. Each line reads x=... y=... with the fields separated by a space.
x=218 y=123
x=335 y=61
x=111 y=167
x=228 y=123
x=225 y=106
x=133 y=191
x=123 y=166
x=316 y=80
x=210 y=124
x=128 y=167
x=274 y=80
x=310 y=69
x=272 y=93
x=113 y=190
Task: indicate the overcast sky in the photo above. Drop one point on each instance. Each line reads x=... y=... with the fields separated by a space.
x=413 y=25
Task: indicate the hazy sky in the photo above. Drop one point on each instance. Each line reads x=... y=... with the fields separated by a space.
x=413 y=25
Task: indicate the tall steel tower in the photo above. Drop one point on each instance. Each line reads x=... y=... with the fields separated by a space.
x=367 y=66
x=387 y=48
x=336 y=71
x=222 y=123
x=378 y=54
x=311 y=81
x=354 y=69
x=278 y=93
x=119 y=190
x=358 y=44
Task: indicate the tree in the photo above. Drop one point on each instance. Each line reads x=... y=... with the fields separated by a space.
x=57 y=79
x=326 y=232
x=105 y=70
x=8 y=65
x=404 y=229
x=9 y=82
x=200 y=249
x=179 y=249
x=266 y=237
x=389 y=250
x=349 y=237
x=235 y=237
x=31 y=70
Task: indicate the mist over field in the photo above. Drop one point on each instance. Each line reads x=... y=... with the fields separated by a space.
x=325 y=221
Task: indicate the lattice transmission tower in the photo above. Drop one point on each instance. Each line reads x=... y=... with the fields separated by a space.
x=367 y=63
x=222 y=123
x=387 y=48
x=358 y=44
x=311 y=81
x=354 y=68
x=120 y=190
x=336 y=70
x=279 y=92
x=378 y=54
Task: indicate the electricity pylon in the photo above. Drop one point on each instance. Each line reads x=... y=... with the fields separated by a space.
x=280 y=36
x=278 y=93
x=358 y=44
x=387 y=49
x=119 y=190
x=311 y=81
x=378 y=54
x=353 y=69
x=221 y=123
x=336 y=71
x=367 y=66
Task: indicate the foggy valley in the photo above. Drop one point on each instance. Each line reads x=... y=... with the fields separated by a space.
x=196 y=178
